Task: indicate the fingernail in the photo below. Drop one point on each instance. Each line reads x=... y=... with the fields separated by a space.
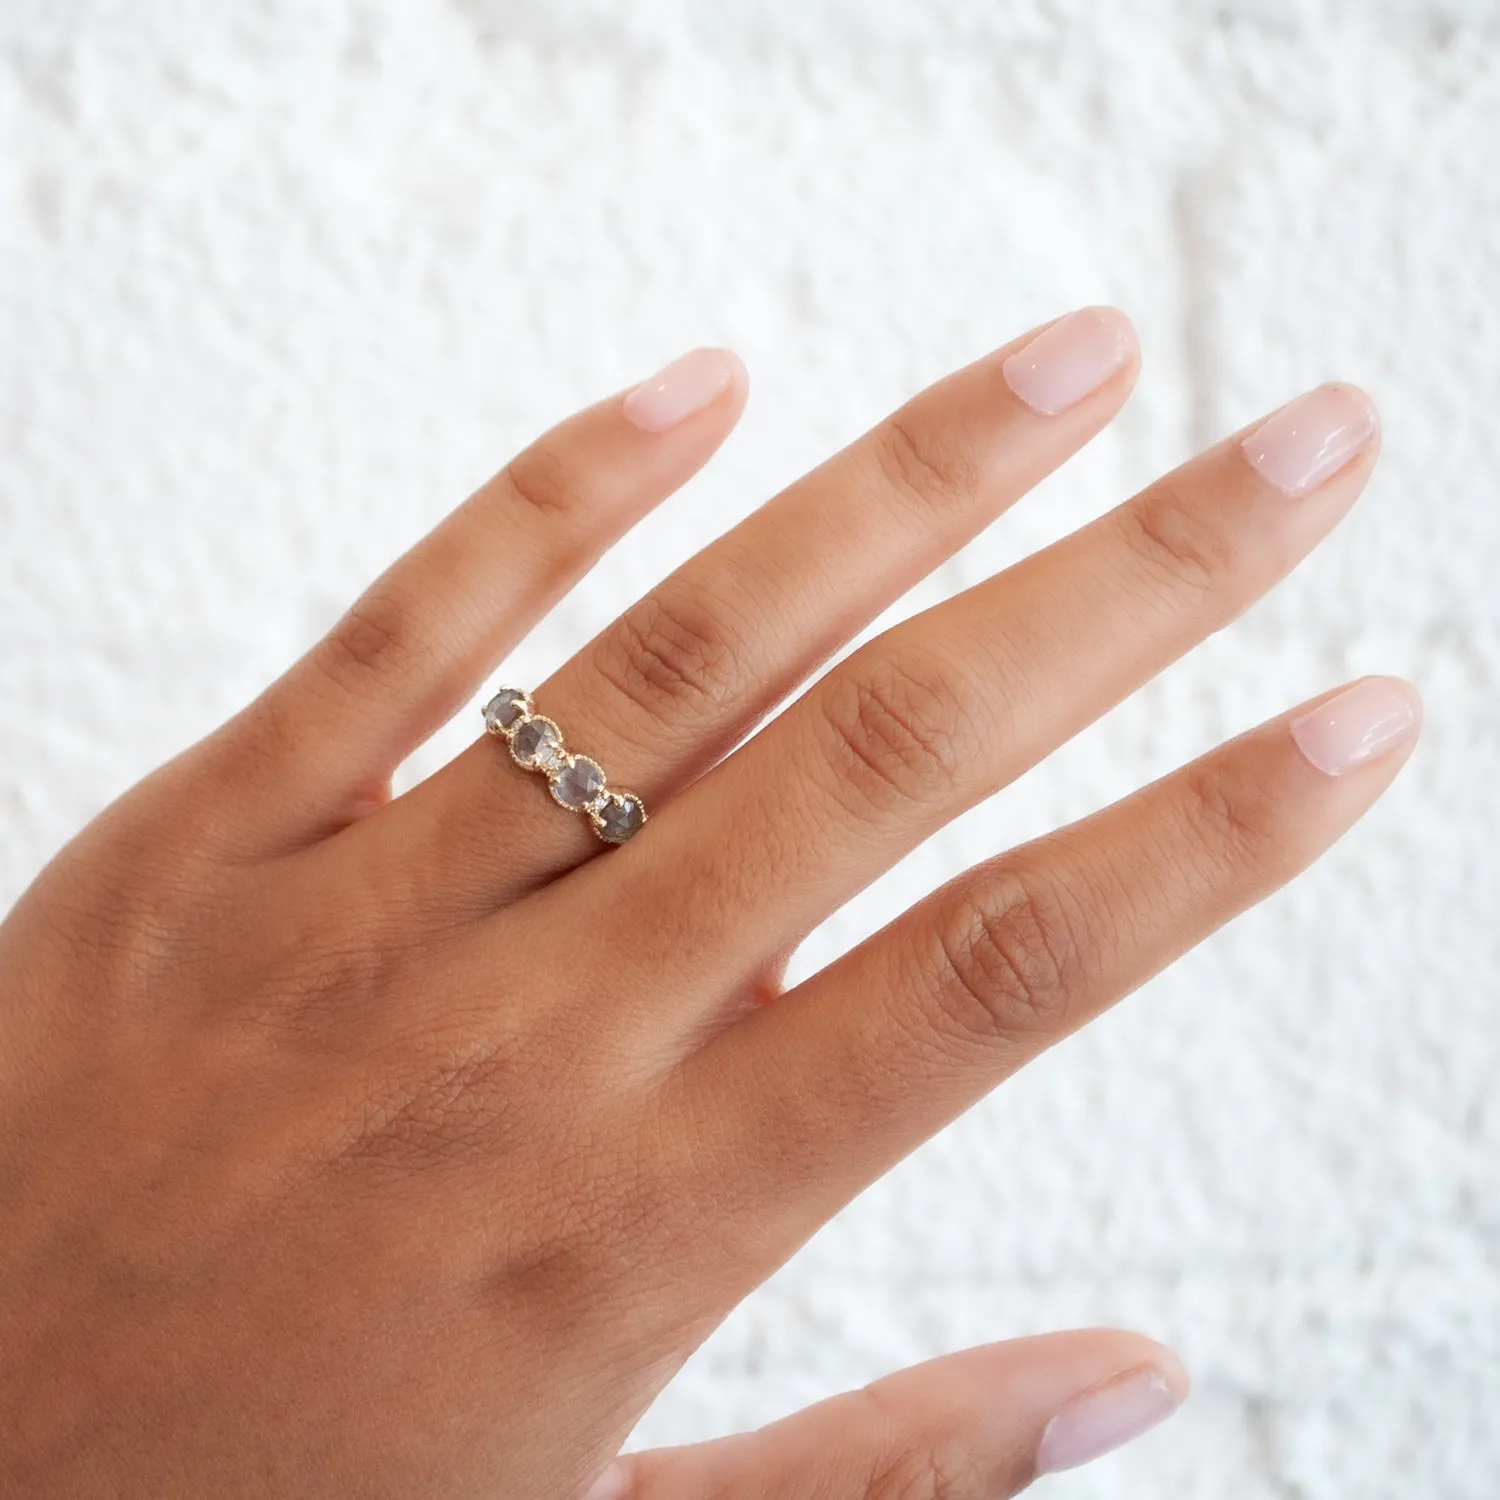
x=1373 y=716
x=1073 y=357
x=1105 y=1418
x=1312 y=439
x=610 y=1485
x=686 y=385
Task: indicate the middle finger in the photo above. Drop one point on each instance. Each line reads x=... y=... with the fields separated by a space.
x=947 y=707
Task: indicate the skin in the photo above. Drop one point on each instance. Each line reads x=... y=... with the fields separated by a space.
x=367 y=1147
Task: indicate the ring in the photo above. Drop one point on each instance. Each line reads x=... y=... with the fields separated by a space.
x=576 y=782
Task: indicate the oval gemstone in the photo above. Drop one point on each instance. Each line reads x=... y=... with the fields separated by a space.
x=618 y=817
x=502 y=711
x=537 y=745
x=578 y=783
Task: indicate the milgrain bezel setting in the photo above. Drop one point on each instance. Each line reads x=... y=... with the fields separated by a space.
x=555 y=761
x=615 y=797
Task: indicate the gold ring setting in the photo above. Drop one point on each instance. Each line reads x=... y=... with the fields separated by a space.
x=576 y=782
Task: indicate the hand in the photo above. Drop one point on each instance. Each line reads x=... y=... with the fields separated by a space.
x=352 y=1146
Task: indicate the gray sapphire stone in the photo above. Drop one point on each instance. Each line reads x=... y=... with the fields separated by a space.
x=620 y=817
x=537 y=743
x=578 y=784
x=504 y=709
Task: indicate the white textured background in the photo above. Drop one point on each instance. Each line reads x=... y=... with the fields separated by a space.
x=283 y=281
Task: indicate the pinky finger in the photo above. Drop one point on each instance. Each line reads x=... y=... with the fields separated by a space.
x=858 y=1065
x=973 y=1426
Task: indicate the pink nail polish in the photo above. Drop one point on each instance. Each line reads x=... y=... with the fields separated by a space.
x=1375 y=715
x=675 y=393
x=1105 y=1418
x=1312 y=439
x=1071 y=359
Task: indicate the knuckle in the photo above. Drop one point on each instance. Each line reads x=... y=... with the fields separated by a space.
x=900 y=733
x=1009 y=962
x=937 y=1471
x=669 y=649
x=542 y=483
x=938 y=1466
x=1227 y=819
x=1183 y=550
x=374 y=639
x=916 y=459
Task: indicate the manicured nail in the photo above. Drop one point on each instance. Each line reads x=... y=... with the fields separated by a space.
x=1373 y=716
x=610 y=1485
x=1313 y=438
x=685 y=386
x=1105 y=1418
x=1072 y=358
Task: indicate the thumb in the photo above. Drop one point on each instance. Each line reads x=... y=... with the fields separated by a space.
x=971 y=1426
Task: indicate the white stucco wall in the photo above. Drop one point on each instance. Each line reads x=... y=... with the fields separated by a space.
x=279 y=283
